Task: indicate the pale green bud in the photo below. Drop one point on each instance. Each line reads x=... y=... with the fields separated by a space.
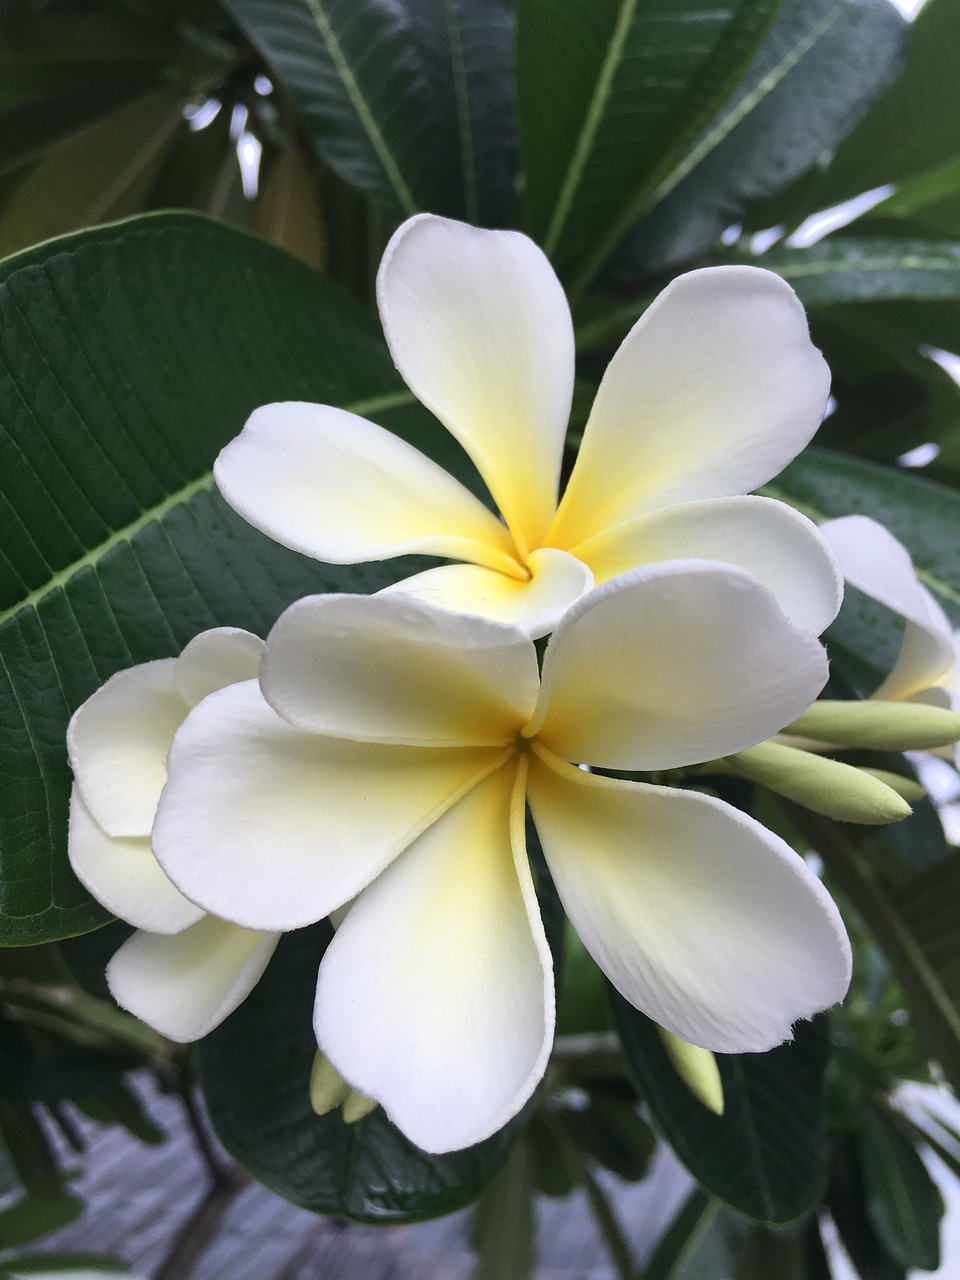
x=908 y=788
x=826 y=786
x=328 y=1089
x=697 y=1068
x=356 y=1106
x=884 y=726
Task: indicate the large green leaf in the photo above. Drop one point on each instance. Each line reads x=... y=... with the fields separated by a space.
x=907 y=131
x=128 y=357
x=426 y=123
x=604 y=90
x=868 y=269
x=903 y=1201
x=766 y=1155
x=103 y=171
x=822 y=65
x=259 y=1104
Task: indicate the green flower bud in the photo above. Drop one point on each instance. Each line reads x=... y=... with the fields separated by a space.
x=328 y=1089
x=356 y=1106
x=884 y=726
x=826 y=786
x=697 y=1068
x=908 y=788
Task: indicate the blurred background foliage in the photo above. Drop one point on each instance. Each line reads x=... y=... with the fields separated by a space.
x=633 y=139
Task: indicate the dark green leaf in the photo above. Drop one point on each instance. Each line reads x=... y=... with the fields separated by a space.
x=256 y=1069
x=903 y=1201
x=701 y=1243
x=88 y=955
x=846 y=1200
x=425 y=124
x=29 y=1150
x=868 y=269
x=907 y=131
x=28 y=129
x=765 y=1156
x=128 y=357
x=822 y=65
x=610 y=1131
x=97 y=174
x=914 y=924
x=503 y=1224
x=34 y=1264
x=604 y=90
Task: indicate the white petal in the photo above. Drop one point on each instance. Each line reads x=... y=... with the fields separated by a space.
x=535 y=606
x=272 y=828
x=699 y=916
x=778 y=545
x=671 y=664
x=118 y=743
x=185 y=985
x=876 y=563
x=436 y=995
x=122 y=874
x=712 y=393
x=479 y=327
x=334 y=486
x=214 y=659
x=389 y=668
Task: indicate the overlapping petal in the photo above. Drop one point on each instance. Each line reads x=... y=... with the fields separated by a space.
x=335 y=486
x=479 y=327
x=118 y=743
x=216 y=658
x=535 y=605
x=714 y=390
x=122 y=874
x=436 y=994
x=389 y=668
x=673 y=664
x=876 y=563
x=779 y=546
x=271 y=827
x=185 y=985
x=700 y=917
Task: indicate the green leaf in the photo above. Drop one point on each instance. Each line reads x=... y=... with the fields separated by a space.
x=903 y=1201
x=822 y=65
x=28 y=129
x=30 y=1151
x=846 y=1201
x=914 y=924
x=97 y=174
x=604 y=90
x=907 y=131
x=701 y=1243
x=765 y=1156
x=255 y=1070
x=128 y=357
x=868 y=269
x=425 y=124
x=503 y=1223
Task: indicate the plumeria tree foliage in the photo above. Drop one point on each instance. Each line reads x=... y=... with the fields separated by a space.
x=415 y=570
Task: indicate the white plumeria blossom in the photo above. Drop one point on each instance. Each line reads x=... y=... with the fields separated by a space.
x=183 y=970
x=387 y=751
x=876 y=563
x=714 y=390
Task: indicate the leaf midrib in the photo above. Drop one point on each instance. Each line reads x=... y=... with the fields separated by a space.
x=151 y=515
x=359 y=102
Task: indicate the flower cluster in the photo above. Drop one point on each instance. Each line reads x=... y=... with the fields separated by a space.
x=376 y=757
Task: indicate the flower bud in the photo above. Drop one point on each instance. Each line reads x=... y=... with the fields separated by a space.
x=328 y=1089
x=697 y=1068
x=826 y=786
x=884 y=726
x=356 y=1106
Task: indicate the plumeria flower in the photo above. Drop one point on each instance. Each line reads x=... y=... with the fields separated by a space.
x=388 y=751
x=713 y=391
x=183 y=970
x=876 y=563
